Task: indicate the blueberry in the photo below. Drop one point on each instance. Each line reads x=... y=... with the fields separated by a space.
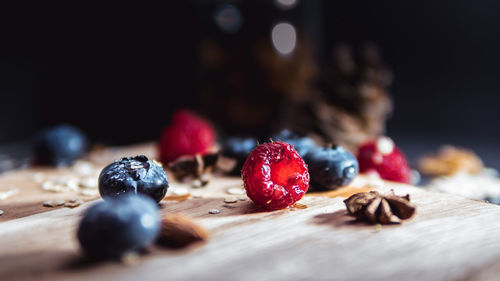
x=238 y=148
x=493 y=200
x=114 y=227
x=331 y=168
x=133 y=175
x=301 y=143
x=60 y=145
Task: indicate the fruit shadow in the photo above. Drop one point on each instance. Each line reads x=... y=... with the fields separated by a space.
x=208 y=207
x=26 y=265
x=340 y=219
x=78 y=262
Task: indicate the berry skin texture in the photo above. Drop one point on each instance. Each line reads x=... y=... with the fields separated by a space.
x=275 y=176
x=238 y=148
x=188 y=134
x=384 y=158
x=331 y=168
x=301 y=143
x=60 y=146
x=112 y=228
x=133 y=175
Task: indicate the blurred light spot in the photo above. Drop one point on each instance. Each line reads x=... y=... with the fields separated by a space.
x=228 y=18
x=284 y=38
x=147 y=221
x=286 y=4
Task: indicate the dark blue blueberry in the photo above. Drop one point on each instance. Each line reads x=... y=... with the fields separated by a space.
x=238 y=148
x=133 y=175
x=301 y=143
x=493 y=200
x=112 y=228
x=331 y=168
x=60 y=146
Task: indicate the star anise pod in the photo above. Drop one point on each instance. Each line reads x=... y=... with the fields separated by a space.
x=378 y=208
x=196 y=167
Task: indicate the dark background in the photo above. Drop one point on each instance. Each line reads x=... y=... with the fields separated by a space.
x=118 y=69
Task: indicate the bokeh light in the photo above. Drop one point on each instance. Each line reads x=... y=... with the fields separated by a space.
x=284 y=38
x=228 y=18
x=286 y=4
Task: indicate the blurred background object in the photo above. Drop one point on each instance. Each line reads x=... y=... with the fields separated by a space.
x=118 y=69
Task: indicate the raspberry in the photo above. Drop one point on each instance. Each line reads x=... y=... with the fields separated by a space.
x=188 y=134
x=382 y=156
x=275 y=176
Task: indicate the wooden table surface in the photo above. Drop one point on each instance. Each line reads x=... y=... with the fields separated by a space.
x=450 y=238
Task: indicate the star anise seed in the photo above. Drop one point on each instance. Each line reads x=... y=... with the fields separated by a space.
x=377 y=208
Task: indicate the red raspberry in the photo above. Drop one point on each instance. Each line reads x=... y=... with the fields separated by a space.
x=383 y=157
x=188 y=134
x=275 y=176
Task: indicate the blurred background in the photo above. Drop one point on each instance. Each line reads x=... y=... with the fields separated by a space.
x=118 y=69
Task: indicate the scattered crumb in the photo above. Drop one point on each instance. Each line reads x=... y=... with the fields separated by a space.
x=243 y=198
x=213 y=211
x=179 y=191
x=9 y=193
x=48 y=204
x=83 y=168
x=62 y=184
x=88 y=182
x=73 y=203
x=229 y=206
x=197 y=183
x=230 y=200
x=38 y=177
x=59 y=202
x=300 y=206
x=89 y=192
x=54 y=203
x=177 y=197
x=236 y=191
x=200 y=182
x=178 y=194
x=130 y=258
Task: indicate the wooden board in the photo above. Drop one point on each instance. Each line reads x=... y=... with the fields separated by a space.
x=450 y=238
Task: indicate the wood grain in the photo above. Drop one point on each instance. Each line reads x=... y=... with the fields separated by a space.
x=450 y=238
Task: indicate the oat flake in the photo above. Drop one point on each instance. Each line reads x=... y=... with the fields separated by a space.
x=213 y=211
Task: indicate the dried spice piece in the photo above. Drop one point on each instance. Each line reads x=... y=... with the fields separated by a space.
x=197 y=167
x=377 y=208
x=450 y=160
x=178 y=231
